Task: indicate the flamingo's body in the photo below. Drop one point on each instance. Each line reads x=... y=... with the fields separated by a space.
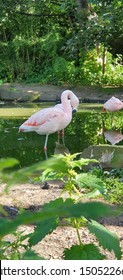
x=50 y=120
x=113 y=104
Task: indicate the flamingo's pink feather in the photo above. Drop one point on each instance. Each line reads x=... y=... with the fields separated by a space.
x=47 y=121
x=113 y=104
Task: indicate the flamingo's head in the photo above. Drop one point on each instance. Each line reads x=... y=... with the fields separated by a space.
x=103 y=109
x=74 y=101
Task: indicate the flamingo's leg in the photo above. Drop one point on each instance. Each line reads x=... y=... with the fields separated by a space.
x=45 y=145
x=63 y=137
x=58 y=136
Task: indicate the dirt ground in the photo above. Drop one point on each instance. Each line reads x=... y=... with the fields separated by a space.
x=31 y=197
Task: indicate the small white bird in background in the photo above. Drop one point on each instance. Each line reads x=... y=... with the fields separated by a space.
x=113 y=104
x=50 y=120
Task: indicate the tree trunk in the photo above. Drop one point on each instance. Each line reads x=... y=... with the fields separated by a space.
x=98 y=48
x=4 y=33
x=83 y=5
x=104 y=60
x=28 y=58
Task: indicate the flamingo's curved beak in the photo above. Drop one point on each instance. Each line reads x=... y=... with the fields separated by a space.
x=103 y=109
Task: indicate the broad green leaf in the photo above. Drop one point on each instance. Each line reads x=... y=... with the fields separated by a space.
x=49 y=210
x=87 y=209
x=13 y=178
x=3 y=211
x=8 y=225
x=83 y=252
x=86 y=180
x=56 y=164
x=8 y=163
x=31 y=255
x=58 y=209
x=107 y=239
x=43 y=228
x=53 y=205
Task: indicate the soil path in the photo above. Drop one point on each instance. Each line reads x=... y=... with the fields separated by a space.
x=21 y=92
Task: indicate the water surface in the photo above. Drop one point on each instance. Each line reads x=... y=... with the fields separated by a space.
x=84 y=130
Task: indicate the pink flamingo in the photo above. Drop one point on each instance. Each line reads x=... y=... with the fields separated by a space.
x=50 y=120
x=113 y=104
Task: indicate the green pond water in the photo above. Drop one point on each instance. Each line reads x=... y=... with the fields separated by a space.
x=84 y=130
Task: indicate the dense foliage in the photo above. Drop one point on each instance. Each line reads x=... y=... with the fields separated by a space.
x=66 y=41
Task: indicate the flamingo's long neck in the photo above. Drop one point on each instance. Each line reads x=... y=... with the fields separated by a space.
x=65 y=101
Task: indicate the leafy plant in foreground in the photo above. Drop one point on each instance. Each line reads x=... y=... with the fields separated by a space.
x=114 y=183
x=78 y=214
x=12 y=249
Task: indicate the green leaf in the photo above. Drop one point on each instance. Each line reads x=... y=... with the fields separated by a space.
x=49 y=210
x=83 y=252
x=8 y=163
x=23 y=237
x=79 y=163
x=53 y=205
x=6 y=223
x=87 y=209
x=56 y=164
x=86 y=180
x=31 y=255
x=13 y=178
x=107 y=239
x=70 y=157
x=3 y=211
x=91 y=194
x=48 y=175
x=42 y=229
x=58 y=209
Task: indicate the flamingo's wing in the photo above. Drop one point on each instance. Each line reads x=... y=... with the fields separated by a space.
x=42 y=117
x=39 y=117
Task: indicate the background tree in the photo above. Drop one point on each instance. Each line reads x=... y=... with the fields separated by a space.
x=61 y=41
